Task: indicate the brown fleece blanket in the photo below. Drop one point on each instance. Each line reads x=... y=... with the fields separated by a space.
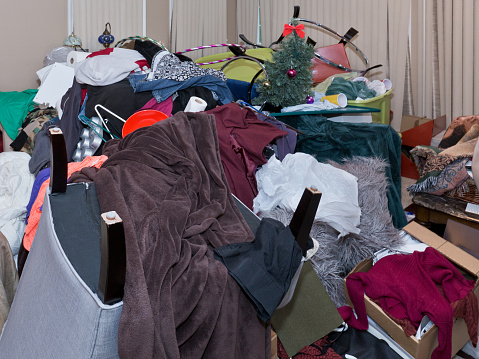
x=167 y=184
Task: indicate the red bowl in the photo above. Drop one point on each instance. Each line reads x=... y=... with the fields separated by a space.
x=142 y=119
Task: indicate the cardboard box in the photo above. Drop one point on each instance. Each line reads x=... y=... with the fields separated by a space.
x=274 y=345
x=419 y=135
x=411 y=125
x=408 y=122
x=422 y=349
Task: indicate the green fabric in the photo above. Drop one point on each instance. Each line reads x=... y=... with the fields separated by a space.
x=14 y=107
x=327 y=140
x=323 y=86
x=310 y=315
x=352 y=89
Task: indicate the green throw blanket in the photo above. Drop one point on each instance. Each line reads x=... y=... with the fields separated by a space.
x=327 y=140
x=14 y=107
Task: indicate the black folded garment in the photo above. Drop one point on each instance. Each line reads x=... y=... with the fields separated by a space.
x=183 y=96
x=118 y=98
x=265 y=267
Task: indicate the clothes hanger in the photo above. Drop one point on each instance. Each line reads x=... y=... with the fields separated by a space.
x=106 y=120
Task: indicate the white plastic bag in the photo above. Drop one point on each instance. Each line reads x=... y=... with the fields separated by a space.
x=282 y=184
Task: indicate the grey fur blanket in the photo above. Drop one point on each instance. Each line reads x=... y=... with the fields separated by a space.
x=335 y=258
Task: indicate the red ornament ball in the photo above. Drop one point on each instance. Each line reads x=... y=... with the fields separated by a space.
x=291 y=73
x=310 y=100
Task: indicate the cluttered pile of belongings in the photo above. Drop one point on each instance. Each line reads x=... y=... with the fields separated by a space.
x=191 y=162
x=170 y=148
x=443 y=169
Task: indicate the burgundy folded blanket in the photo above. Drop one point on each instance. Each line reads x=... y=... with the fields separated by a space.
x=167 y=184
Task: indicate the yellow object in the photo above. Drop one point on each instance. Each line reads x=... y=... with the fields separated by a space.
x=243 y=70
x=382 y=102
x=339 y=99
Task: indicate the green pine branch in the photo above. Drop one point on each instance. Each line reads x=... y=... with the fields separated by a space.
x=284 y=91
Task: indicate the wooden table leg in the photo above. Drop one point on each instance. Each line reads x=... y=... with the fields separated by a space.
x=423 y=216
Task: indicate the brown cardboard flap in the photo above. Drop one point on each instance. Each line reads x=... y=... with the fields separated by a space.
x=460 y=258
x=363 y=266
x=408 y=122
x=274 y=345
x=463 y=236
x=424 y=235
x=439 y=125
x=455 y=254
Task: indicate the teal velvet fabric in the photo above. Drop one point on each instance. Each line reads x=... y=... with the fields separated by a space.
x=327 y=140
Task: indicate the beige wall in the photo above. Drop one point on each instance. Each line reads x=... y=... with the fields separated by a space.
x=31 y=29
x=158 y=20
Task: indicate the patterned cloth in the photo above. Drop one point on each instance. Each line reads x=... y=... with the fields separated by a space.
x=442 y=171
x=320 y=349
x=168 y=66
x=25 y=141
x=457 y=129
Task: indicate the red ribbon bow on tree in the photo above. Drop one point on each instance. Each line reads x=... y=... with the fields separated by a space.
x=288 y=29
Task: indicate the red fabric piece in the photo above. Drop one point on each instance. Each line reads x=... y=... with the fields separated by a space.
x=142 y=64
x=83 y=95
x=250 y=138
x=348 y=316
x=467 y=308
x=405 y=323
x=314 y=350
x=387 y=282
x=288 y=29
x=165 y=106
x=101 y=52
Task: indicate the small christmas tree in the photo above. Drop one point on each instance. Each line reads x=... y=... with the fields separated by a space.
x=289 y=79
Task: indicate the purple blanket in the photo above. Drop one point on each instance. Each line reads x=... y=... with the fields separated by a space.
x=167 y=184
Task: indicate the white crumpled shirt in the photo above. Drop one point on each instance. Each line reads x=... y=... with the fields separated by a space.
x=282 y=184
x=16 y=184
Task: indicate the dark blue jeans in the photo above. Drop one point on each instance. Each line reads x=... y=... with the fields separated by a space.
x=163 y=88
